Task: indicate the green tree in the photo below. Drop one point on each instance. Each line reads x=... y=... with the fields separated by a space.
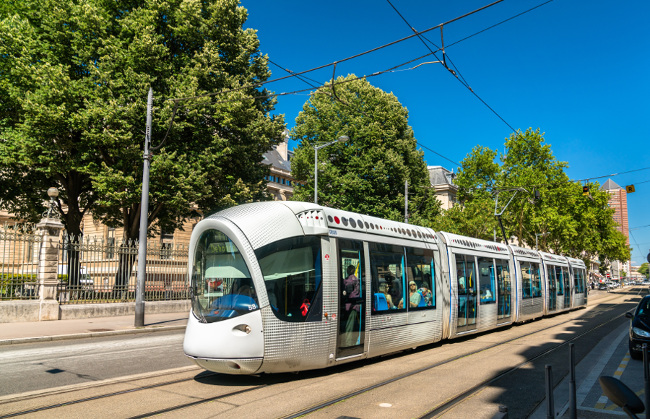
x=474 y=215
x=643 y=269
x=367 y=174
x=74 y=78
x=563 y=220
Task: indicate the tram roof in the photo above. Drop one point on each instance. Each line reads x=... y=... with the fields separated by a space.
x=464 y=242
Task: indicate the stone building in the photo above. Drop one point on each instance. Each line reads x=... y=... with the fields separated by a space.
x=618 y=202
x=442 y=181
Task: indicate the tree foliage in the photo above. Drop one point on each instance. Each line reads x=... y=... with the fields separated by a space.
x=367 y=174
x=74 y=78
x=643 y=269
x=562 y=220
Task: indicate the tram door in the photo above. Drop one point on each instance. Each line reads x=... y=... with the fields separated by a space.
x=466 y=277
x=567 y=287
x=552 y=289
x=504 y=287
x=559 y=279
x=352 y=297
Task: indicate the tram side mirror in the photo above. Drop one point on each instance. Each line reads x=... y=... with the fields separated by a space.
x=621 y=395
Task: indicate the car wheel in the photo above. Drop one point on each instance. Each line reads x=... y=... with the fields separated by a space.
x=634 y=354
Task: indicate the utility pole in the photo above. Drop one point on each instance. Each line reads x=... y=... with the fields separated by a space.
x=144 y=225
x=498 y=213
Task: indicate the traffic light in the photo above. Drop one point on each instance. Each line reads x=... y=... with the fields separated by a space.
x=629 y=188
x=585 y=190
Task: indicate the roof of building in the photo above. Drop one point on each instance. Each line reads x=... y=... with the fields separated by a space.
x=274 y=158
x=609 y=185
x=438 y=175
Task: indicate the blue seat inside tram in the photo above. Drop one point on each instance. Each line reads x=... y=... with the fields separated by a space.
x=422 y=302
x=380 y=302
x=232 y=304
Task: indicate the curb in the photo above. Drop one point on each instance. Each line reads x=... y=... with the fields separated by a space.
x=149 y=329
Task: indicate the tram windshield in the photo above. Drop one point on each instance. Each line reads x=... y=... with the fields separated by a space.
x=222 y=287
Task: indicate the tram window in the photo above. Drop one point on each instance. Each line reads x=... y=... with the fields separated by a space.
x=486 y=280
x=580 y=280
x=536 y=280
x=420 y=270
x=386 y=262
x=292 y=275
x=559 y=280
x=524 y=268
x=504 y=288
x=222 y=287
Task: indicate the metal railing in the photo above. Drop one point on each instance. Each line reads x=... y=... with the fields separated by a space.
x=91 y=270
x=94 y=271
x=18 y=262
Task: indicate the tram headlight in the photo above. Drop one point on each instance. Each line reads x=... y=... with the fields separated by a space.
x=640 y=332
x=242 y=328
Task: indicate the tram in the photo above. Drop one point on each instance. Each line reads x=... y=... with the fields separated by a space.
x=291 y=286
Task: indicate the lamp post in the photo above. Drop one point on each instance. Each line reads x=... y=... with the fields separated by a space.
x=341 y=139
x=52 y=212
x=144 y=212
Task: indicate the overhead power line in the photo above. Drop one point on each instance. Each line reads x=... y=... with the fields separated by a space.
x=613 y=174
x=294 y=74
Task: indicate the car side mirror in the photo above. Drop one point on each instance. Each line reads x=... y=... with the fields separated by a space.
x=621 y=395
x=629 y=315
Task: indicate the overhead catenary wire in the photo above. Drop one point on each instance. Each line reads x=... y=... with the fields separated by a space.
x=613 y=174
x=456 y=73
x=294 y=74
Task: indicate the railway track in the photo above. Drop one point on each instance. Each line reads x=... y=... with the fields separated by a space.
x=238 y=395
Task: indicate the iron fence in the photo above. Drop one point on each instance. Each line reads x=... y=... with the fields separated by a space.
x=94 y=271
x=18 y=262
x=91 y=270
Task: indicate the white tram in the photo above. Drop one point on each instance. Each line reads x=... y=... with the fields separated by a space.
x=290 y=286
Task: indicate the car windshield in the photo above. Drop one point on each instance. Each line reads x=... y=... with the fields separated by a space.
x=222 y=287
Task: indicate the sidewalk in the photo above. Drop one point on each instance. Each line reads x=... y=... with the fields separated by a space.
x=24 y=332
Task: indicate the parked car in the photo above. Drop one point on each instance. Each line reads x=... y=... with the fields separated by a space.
x=85 y=279
x=639 y=327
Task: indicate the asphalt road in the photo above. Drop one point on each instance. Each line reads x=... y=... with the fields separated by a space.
x=30 y=367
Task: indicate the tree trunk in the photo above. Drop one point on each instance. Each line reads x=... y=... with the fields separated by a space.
x=127 y=255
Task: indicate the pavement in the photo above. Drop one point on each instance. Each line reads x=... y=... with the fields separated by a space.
x=26 y=332
x=610 y=357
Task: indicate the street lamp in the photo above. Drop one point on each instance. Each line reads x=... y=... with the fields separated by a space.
x=341 y=139
x=53 y=193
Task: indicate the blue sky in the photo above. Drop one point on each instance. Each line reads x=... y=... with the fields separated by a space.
x=577 y=70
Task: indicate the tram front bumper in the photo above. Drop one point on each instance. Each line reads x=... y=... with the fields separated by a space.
x=231 y=346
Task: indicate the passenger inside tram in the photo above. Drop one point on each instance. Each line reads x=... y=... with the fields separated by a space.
x=394 y=287
x=486 y=295
x=383 y=288
x=427 y=297
x=461 y=282
x=414 y=296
